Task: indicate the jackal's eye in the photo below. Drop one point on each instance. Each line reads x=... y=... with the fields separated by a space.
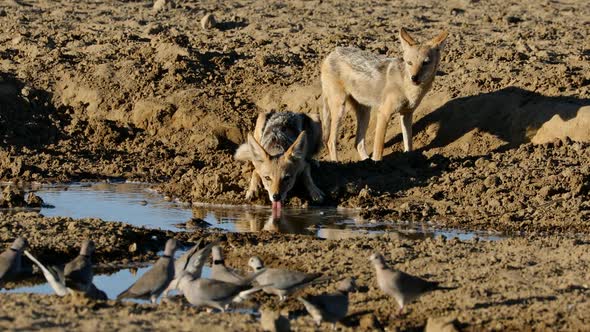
x=267 y=178
x=287 y=177
x=409 y=63
x=426 y=61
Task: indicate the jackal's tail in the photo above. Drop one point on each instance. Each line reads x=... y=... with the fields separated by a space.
x=243 y=152
x=325 y=119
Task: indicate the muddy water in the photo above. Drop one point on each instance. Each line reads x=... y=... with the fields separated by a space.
x=138 y=205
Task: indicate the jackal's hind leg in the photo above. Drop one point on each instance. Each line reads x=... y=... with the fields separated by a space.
x=337 y=110
x=363 y=115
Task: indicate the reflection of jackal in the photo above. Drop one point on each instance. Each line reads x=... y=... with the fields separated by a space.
x=281 y=148
x=356 y=79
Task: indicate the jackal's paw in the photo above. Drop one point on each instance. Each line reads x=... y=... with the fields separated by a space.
x=316 y=195
x=249 y=195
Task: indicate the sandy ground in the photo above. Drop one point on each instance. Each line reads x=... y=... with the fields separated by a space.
x=524 y=283
x=119 y=90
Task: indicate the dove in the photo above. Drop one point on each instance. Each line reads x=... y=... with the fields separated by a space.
x=216 y=293
x=190 y=262
x=330 y=307
x=54 y=277
x=11 y=259
x=403 y=287
x=78 y=272
x=57 y=280
x=221 y=272
x=284 y=282
x=155 y=280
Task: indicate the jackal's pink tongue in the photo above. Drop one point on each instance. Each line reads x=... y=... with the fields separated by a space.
x=276 y=206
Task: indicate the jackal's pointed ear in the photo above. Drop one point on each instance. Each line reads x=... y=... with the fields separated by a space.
x=406 y=39
x=297 y=149
x=439 y=41
x=257 y=151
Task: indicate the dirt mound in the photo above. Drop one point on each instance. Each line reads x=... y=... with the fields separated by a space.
x=125 y=91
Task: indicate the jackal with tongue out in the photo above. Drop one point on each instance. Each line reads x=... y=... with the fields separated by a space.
x=281 y=148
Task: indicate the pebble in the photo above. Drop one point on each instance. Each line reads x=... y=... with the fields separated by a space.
x=208 y=21
x=159 y=5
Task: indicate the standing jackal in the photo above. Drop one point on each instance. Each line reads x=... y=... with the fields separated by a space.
x=281 y=149
x=356 y=79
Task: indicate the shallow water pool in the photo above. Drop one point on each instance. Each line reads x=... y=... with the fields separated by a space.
x=137 y=204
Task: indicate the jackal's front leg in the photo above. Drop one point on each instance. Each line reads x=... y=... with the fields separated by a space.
x=314 y=192
x=387 y=108
x=406 y=123
x=254 y=185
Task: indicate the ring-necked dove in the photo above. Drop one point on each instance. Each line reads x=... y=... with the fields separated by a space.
x=190 y=262
x=215 y=293
x=78 y=272
x=403 y=287
x=57 y=281
x=54 y=277
x=11 y=259
x=221 y=272
x=155 y=280
x=284 y=282
x=330 y=307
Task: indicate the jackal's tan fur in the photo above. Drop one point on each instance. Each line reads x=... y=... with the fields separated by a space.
x=281 y=148
x=358 y=80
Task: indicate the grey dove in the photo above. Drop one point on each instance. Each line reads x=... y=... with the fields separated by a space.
x=78 y=272
x=155 y=280
x=403 y=287
x=11 y=260
x=284 y=282
x=215 y=293
x=330 y=307
x=221 y=272
x=190 y=262
x=56 y=279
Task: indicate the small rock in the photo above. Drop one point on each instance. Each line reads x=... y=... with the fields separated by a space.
x=16 y=40
x=144 y=203
x=25 y=91
x=133 y=247
x=208 y=21
x=160 y=4
x=273 y=321
x=546 y=192
x=33 y=200
x=370 y=323
x=492 y=181
x=441 y=324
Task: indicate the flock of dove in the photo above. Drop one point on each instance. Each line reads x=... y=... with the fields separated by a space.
x=223 y=287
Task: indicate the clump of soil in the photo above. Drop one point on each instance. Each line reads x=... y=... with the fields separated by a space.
x=57 y=240
x=14 y=197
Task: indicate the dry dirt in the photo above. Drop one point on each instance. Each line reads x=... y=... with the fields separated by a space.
x=118 y=90
x=523 y=283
